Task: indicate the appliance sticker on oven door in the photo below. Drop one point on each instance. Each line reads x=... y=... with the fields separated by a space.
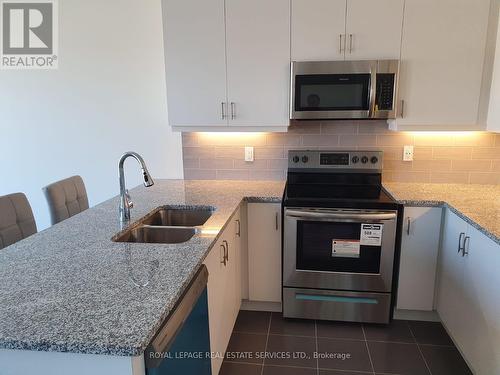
x=345 y=248
x=371 y=234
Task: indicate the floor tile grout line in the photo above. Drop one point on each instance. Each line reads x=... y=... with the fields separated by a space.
x=368 y=349
x=346 y=339
x=419 y=349
x=317 y=348
x=267 y=340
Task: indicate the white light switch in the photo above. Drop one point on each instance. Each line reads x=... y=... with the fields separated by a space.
x=249 y=153
x=408 y=153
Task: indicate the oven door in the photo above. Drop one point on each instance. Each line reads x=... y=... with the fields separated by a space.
x=339 y=249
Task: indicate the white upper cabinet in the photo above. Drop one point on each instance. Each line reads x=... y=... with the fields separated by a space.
x=373 y=29
x=346 y=29
x=493 y=122
x=227 y=64
x=318 y=30
x=442 y=59
x=258 y=62
x=195 y=55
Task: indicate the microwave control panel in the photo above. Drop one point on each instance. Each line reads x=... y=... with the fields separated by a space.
x=384 y=100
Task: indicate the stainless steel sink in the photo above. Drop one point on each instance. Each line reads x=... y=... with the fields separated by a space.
x=184 y=217
x=157 y=234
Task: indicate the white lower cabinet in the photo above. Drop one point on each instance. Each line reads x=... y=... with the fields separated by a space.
x=419 y=254
x=468 y=302
x=264 y=252
x=224 y=291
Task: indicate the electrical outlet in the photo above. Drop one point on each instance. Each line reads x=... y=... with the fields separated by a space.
x=408 y=153
x=249 y=153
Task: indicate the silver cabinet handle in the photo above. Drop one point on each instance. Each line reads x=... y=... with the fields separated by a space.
x=238 y=231
x=465 y=250
x=460 y=244
x=408 y=226
x=350 y=43
x=233 y=110
x=277 y=221
x=340 y=43
x=402 y=108
x=227 y=250
x=224 y=260
x=223 y=111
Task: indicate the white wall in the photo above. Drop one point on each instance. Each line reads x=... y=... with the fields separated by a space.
x=108 y=96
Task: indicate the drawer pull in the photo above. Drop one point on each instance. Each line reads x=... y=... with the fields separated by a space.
x=316 y=297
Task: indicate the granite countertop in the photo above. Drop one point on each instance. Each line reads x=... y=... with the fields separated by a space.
x=71 y=289
x=477 y=204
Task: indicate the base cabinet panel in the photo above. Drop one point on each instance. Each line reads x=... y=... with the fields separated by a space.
x=468 y=302
x=264 y=252
x=419 y=253
x=224 y=291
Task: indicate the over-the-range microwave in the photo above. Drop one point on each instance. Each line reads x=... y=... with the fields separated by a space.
x=344 y=90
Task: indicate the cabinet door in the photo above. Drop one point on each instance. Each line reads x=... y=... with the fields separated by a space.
x=233 y=296
x=236 y=246
x=373 y=29
x=264 y=252
x=419 y=252
x=318 y=30
x=493 y=122
x=442 y=61
x=450 y=303
x=195 y=67
x=258 y=62
x=480 y=329
x=217 y=289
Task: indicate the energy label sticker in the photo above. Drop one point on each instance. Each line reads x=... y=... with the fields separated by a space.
x=345 y=248
x=371 y=234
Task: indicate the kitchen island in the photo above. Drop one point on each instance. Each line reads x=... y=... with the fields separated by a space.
x=74 y=300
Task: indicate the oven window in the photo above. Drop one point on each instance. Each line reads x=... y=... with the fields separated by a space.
x=332 y=92
x=315 y=248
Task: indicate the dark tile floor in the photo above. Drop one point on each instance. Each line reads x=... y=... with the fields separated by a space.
x=266 y=344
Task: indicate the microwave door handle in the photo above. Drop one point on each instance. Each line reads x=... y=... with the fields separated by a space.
x=340 y=216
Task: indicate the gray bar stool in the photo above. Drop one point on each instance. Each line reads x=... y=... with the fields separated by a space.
x=66 y=198
x=16 y=219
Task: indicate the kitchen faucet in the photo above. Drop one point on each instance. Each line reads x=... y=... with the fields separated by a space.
x=125 y=202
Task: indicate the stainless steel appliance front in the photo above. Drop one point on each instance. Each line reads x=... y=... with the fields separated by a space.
x=371 y=270
x=336 y=305
x=353 y=284
x=344 y=89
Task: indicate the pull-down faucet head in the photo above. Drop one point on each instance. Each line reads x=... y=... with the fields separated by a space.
x=125 y=202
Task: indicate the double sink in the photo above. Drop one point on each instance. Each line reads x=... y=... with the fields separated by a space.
x=167 y=225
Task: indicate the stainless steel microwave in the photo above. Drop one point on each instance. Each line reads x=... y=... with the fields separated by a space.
x=344 y=90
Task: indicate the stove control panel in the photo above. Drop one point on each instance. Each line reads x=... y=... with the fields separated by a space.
x=324 y=159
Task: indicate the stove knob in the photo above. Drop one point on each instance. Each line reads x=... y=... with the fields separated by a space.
x=296 y=159
x=374 y=160
x=355 y=159
x=364 y=160
x=305 y=159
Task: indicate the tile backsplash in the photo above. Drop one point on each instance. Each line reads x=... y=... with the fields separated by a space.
x=451 y=157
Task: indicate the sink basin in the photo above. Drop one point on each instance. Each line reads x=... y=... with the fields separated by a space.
x=184 y=217
x=157 y=234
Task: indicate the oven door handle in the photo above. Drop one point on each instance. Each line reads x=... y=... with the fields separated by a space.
x=340 y=216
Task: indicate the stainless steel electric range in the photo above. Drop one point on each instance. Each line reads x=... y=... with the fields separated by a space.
x=340 y=237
